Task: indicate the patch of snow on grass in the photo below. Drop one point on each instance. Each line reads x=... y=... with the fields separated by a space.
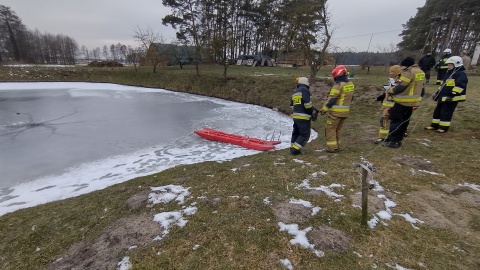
x=326 y=189
x=472 y=186
x=287 y=264
x=124 y=264
x=168 y=193
x=266 y=201
x=432 y=173
x=308 y=204
x=300 y=237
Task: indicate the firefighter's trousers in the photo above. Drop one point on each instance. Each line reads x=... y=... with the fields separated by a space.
x=442 y=115
x=333 y=132
x=384 y=124
x=399 y=120
x=300 y=135
x=427 y=74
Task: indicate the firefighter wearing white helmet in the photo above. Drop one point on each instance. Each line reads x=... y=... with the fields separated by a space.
x=303 y=109
x=441 y=66
x=452 y=91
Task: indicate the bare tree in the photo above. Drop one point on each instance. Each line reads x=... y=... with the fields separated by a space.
x=181 y=53
x=317 y=54
x=86 y=53
x=113 y=53
x=337 y=53
x=122 y=51
x=147 y=38
x=11 y=28
x=105 y=52
x=96 y=53
x=388 y=52
x=133 y=56
x=187 y=15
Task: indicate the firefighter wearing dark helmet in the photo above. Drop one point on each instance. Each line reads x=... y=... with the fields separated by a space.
x=441 y=66
x=452 y=91
x=407 y=95
x=303 y=108
x=337 y=107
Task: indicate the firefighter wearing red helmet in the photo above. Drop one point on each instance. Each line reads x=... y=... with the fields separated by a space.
x=337 y=107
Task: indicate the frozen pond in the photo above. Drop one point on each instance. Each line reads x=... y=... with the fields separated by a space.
x=59 y=140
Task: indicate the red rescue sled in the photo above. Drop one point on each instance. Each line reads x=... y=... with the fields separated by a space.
x=244 y=141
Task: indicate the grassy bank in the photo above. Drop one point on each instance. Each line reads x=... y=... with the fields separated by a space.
x=430 y=191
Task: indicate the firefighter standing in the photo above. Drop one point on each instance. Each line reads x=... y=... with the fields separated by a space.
x=451 y=92
x=337 y=107
x=387 y=103
x=441 y=66
x=407 y=95
x=302 y=112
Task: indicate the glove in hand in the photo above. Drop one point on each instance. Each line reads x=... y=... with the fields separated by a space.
x=324 y=110
x=435 y=96
x=314 y=115
x=381 y=97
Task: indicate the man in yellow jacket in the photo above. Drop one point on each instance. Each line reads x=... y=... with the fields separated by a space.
x=337 y=107
x=387 y=103
x=407 y=95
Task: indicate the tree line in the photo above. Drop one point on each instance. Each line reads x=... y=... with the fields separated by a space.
x=442 y=24
x=220 y=30
x=19 y=44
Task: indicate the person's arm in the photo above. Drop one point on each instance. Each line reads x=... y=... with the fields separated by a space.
x=404 y=81
x=331 y=102
x=307 y=102
x=332 y=98
x=421 y=62
x=432 y=62
x=460 y=84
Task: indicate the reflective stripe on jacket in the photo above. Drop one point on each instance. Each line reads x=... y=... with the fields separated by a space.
x=454 y=86
x=343 y=93
x=413 y=79
x=387 y=104
x=301 y=103
x=441 y=62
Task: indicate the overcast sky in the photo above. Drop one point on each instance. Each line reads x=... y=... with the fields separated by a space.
x=95 y=23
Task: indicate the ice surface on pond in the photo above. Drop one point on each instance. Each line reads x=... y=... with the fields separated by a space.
x=59 y=140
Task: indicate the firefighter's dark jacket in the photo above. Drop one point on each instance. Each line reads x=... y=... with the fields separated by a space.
x=454 y=86
x=441 y=62
x=427 y=62
x=301 y=103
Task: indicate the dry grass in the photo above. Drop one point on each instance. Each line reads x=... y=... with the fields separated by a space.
x=242 y=232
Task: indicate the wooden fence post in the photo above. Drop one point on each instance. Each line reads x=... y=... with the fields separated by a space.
x=364 y=196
